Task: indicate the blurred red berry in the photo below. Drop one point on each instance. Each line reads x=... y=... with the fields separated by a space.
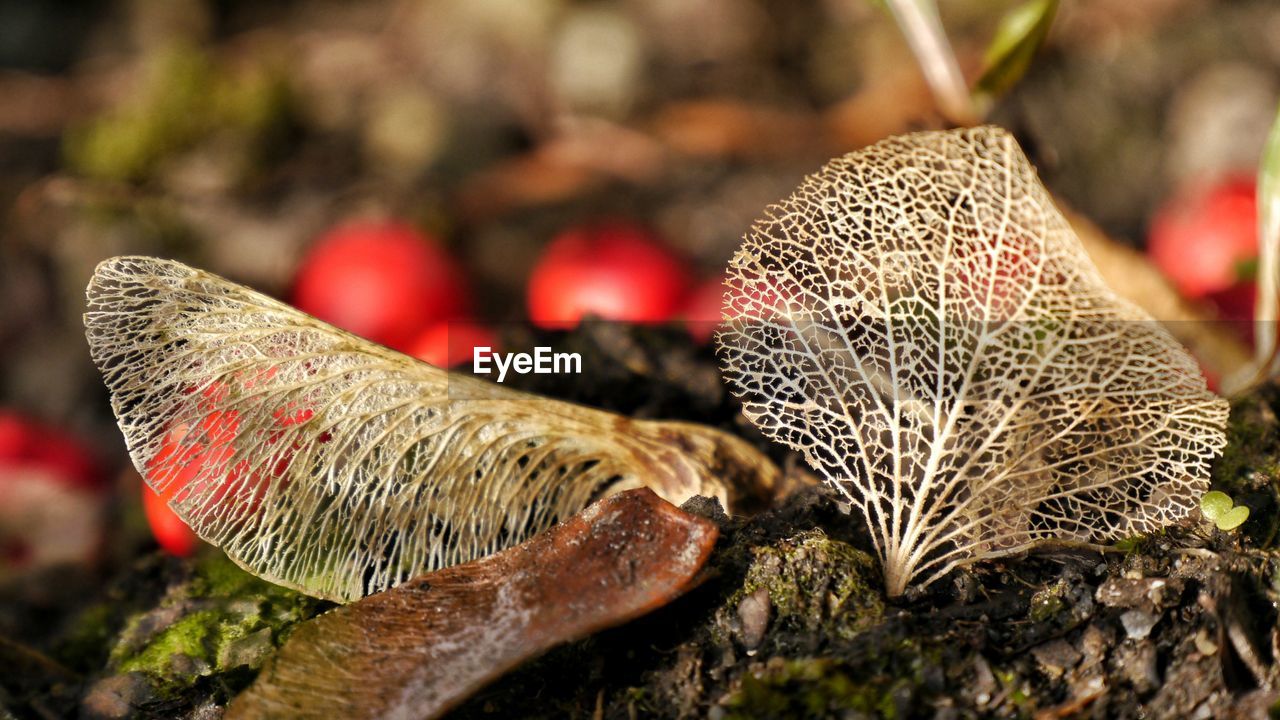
x=16 y=436
x=1237 y=303
x=383 y=281
x=191 y=458
x=704 y=308
x=612 y=271
x=448 y=345
x=1206 y=241
x=69 y=458
x=172 y=534
x=24 y=441
x=51 y=497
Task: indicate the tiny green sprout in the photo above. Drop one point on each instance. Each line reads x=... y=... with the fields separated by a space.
x=1218 y=507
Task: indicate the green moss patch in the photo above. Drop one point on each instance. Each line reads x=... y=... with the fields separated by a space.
x=220 y=619
x=812 y=687
x=186 y=97
x=815 y=583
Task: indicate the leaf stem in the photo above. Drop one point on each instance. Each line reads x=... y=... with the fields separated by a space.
x=922 y=27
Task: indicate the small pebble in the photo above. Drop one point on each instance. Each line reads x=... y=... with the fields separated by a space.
x=1093 y=645
x=984 y=681
x=1137 y=664
x=1140 y=592
x=115 y=697
x=753 y=612
x=1204 y=644
x=249 y=651
x=1056 y=657
x=1137 y=623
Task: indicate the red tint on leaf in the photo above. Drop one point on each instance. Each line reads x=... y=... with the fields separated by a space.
x=419 y=649
x=195 y=463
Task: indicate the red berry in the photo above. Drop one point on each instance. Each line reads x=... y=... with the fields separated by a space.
x=1237 y=303
x=192 y=459
x=69 y=459
x=704 y=308
x=17 y=434
x=25 y=442
x=611 y=271
x=169 y=530
x=50 y=497
x=1206 y=239
x=448 y=345
x=383 y=281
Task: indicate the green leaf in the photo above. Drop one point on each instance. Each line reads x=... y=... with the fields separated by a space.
x=1216 y=504
x=1233 y=518
x=1021 y=33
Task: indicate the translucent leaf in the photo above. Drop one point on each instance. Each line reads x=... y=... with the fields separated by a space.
x=1215 y=504
x=921 y=323
x=337 y=467
x=1021 y=33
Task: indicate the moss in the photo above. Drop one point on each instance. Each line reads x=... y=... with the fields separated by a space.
x=815 y=584
x=1251 y=446
x=1048 y=602
x=1249 y=468
x=180 y=652
x=166 y=114
x=1013 y=686
x=813 y=687
x=184 y=97
x=210 y=624
x=216 y=575
x=636 y=699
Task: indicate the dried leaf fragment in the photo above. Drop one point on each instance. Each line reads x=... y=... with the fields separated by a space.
x=921 y=323
x=328 y=464
x=420 y=648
